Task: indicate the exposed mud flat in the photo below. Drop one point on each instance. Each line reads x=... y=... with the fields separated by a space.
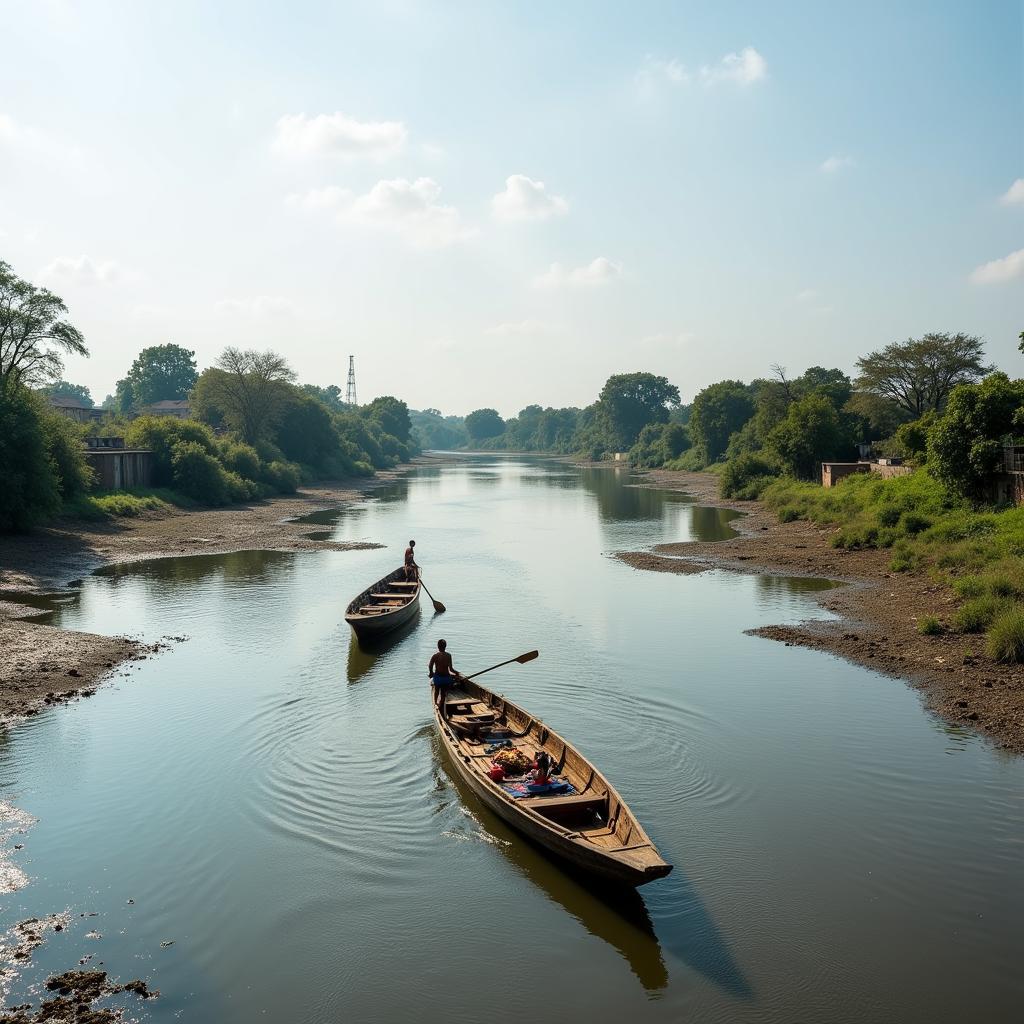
x=879 y=610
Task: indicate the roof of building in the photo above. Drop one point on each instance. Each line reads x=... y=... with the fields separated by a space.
x=171 y=403
x=67 y=402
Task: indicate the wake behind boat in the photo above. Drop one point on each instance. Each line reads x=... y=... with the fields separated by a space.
x=579 y=816
x=389 y=603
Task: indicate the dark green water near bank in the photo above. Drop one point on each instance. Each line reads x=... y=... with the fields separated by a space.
x=272 y=799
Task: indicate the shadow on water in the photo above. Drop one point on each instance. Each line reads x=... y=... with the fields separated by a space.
x=364 y=654
x=615 y=914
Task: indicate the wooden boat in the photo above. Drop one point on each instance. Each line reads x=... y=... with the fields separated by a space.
x=388 y=604
x=592 y=829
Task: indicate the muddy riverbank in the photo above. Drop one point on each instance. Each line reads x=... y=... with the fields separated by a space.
x=878 y=611
x=43 y=665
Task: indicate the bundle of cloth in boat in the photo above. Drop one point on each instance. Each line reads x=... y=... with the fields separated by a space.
x=554 y=787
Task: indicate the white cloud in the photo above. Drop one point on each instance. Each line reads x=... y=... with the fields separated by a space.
x=301 y=137
x=82 y=270
x=834 y=163
x=999 y=271
x=526 y=199
x=403 y=207
x=1014 y=195
x=594 y=274
x=521 y=328
x=258 y=307
x=27 y=141
x=656 y=71
x=743 y=68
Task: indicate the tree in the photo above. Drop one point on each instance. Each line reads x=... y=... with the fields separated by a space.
x=812 y=432
x=159 y=373
x=248 y=390
x=393 y=416
x=629 y=401
x=33 y=333
x=718 y=411
x=965 y=446
x=919 y=374
x=484 y=423
x=330 y=395
x=65 y=389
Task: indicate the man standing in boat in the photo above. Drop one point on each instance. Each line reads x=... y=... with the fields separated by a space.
x=412 y=570
x=442 y=673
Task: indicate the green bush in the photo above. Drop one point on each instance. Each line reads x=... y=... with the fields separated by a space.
x=904 y=558
x=240 y=458
x=978 y=613
x=1006 y=636
x=282 y=476
x=198 y=474
x=969 y=586
x=29 y=483
x=162 y=434
x=74 y=474
x=914 y=523
x=929 y=625
x=747 y=475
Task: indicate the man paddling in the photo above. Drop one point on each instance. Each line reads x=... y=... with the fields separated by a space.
x=411 y=568
x=442 y=673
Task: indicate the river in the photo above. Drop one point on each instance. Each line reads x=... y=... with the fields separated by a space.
x=261 y=821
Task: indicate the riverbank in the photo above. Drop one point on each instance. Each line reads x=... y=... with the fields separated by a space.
x=878 y=611
x=45 y=665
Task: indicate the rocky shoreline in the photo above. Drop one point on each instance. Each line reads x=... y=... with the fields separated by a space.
x=878 y=610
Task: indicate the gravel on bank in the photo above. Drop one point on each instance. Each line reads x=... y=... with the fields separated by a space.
x=878 y=610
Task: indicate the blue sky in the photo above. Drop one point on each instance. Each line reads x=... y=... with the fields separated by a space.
x=499 y=204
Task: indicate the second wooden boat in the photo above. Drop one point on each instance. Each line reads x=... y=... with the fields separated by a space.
x=388 y=604
x=591 y=827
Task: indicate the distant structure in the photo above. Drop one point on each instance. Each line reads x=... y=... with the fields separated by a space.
x=350 y=391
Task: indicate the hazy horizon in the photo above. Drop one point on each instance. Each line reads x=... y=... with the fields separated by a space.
x=499 y=205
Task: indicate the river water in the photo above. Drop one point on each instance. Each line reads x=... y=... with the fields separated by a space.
x=271 y=799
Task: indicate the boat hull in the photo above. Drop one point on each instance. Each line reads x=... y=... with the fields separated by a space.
x=376 y=625
x=564 y=843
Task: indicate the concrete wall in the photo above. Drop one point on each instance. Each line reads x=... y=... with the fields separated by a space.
x=888 y=472
x=833 y=472
x=120 y=468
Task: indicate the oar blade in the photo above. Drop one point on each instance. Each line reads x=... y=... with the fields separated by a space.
x=529 y=656
x=438 y=607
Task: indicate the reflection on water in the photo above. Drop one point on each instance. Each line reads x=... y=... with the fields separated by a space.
x=364 y=653
x=297 y=836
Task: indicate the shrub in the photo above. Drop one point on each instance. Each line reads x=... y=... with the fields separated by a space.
x=747 y=475
x=282 y=476
x=74 y=474
x=914 y=523
x=969 y=586
x=929 y=625
x=1006 y=636
x=889 y=515
x=29 y=485
x=905 y=557
x=161 y=434
x=240 y=458
x=198 y=474
x=977 y=614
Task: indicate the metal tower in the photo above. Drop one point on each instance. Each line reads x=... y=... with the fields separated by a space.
x=350 y=391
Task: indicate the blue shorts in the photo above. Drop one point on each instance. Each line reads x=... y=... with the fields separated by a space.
x=438 y=680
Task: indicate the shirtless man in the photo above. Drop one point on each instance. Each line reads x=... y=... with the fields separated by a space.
x=442 y=673
x=411 y=568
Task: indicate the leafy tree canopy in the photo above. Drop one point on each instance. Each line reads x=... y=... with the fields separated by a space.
x=718 y=411
x=484 y=423
x=33 y=333
x=65 y=389
x=247 y=390
x=965 y=447
x=919 y=374
x=629 y=401
x=392 y=414
x=160 y=373
x=812 y=432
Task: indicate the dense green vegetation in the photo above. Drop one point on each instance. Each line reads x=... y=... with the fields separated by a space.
x=253 y=432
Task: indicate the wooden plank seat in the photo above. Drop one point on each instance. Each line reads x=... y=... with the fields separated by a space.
x=377 y=608
x=402 y=583
x=577 y=801
x=392 y=597
x=485 y=719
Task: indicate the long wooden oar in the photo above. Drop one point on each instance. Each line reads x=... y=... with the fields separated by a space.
x=438 y=607
x=522 y=660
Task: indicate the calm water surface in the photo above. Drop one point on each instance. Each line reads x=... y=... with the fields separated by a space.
x=273 y=800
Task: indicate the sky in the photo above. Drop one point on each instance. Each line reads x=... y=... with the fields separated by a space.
x=500 y=204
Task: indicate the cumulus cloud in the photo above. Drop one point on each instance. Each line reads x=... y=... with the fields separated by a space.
x=743 y=68
x=300 y=136
x=258 y=307
x=526 y=199
x=1014 y=195
x=1000 y=271
x=834 y=163
x=403 y=207
x=82 y=270
x=595 y=274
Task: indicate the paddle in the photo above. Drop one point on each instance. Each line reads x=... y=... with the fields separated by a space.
x=521 y=660
x=438 y=607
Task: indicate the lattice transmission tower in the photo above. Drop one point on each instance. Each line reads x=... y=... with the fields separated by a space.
x=350 y=391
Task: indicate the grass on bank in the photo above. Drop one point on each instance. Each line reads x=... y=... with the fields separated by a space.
x=979 y=552
x=124 y=504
